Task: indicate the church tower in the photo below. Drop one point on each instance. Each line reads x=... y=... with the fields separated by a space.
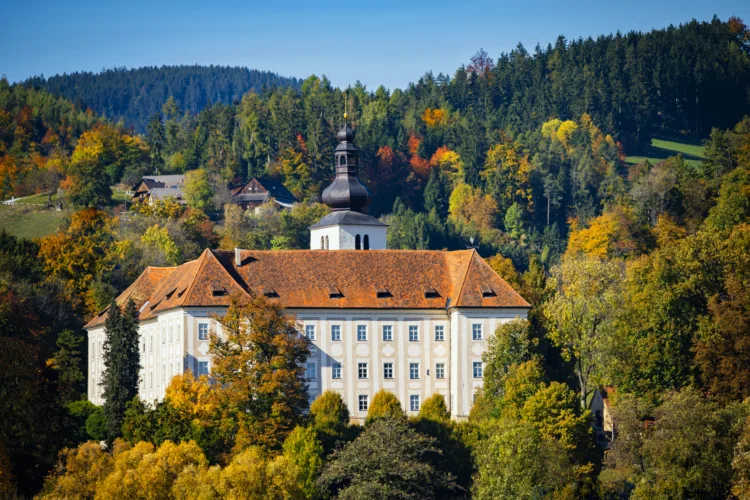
x=348 y=226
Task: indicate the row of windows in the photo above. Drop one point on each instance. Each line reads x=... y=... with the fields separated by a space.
x=311 y=370
x=476 y=332
x=203 y=331
x=364 y=402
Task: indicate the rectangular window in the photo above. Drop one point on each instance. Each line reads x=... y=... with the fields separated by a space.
x=202 y=331
x=362 y=370
x=311 y=371
x=413 y=370
x=336 y=370
x=202 y=368
x=171 y=333
x=361 y=333
x=163 y=335
x=440 y=370
x=387 y=333
x=413 y=333
x=476 y=331
x=151 y=347
x=478 y=371
x=310 y=332
x=387 y=370
x=439 y=333
x=414 y=402
x=335 y=332
x=363 y=402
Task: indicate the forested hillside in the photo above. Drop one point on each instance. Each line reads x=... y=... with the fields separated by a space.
x=134 y=95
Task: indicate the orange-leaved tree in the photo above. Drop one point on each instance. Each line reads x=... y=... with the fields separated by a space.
x=80 y=252
x=259 y=360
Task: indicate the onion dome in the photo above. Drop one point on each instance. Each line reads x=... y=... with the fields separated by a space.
x=346 y=192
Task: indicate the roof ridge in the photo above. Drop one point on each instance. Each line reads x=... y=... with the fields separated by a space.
x=466 y=274
x=195 y=277
x=211 y=252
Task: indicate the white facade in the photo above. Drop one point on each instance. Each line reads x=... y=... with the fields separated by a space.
x=344 y=237
x=355 y=351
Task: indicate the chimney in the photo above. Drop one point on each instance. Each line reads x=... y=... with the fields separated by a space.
x=237 y=257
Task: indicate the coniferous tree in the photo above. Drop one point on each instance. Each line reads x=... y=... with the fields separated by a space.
x=157 y=140
x=67 y=362
x=437 y=192
x=121 y=365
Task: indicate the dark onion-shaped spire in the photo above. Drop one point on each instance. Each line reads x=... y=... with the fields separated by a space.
x=346 y=192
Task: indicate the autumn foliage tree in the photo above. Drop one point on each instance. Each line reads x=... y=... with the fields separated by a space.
x=260 y=361
x=80 y=252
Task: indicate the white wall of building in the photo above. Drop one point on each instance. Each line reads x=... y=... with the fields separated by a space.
x=170 y=344
x=343 y=237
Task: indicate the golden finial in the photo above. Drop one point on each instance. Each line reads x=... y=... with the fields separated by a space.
x=345 y=115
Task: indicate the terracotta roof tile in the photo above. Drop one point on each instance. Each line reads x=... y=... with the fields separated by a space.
x=305 y=278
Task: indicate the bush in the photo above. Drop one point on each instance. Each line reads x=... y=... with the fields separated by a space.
x=384 y=404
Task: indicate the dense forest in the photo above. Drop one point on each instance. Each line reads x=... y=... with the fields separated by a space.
x=134 y=95
x=637 y=274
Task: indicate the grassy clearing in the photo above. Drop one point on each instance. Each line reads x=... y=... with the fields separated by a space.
x=661 y=149
x=26 y=221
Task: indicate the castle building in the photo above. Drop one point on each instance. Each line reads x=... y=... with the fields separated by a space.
x=414 y=322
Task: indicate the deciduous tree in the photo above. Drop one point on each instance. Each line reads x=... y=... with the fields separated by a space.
x=260 y=361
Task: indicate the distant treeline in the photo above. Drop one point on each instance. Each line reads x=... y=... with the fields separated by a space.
x=135 y=95
x=684 y=79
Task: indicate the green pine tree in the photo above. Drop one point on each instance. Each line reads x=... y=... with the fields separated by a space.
x=121 y=365
x=67 y=361
x=437 y=192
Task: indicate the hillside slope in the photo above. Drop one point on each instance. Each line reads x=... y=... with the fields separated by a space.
x=135 y=95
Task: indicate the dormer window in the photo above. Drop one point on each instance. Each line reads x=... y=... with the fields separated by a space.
x=270 y=292
x=218 y=290
x=430 y=292
x=382 y=292
x=334 y=292
x=487 y=291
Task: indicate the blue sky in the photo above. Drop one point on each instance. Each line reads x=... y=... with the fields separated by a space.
x=382 y=42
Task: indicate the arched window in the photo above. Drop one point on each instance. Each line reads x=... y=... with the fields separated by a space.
x=357 y=244
x=322 y=243
x=366 y=243
x=342 y=161
x=326 y=242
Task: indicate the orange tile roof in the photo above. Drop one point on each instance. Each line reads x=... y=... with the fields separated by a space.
x=304 y=278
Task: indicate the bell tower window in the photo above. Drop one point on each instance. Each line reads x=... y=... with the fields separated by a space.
x=342 y=161
x=357 y=243
x=366 y=242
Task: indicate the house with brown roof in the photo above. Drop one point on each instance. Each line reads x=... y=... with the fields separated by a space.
x=258 y=191
x=411 y=322
x=152 y=187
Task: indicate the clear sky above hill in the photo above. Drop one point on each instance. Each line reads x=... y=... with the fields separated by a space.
x=383 y=42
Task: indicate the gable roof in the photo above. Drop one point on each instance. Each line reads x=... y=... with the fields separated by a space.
x=166 y=181
x=273 y=188
x=413 y=279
